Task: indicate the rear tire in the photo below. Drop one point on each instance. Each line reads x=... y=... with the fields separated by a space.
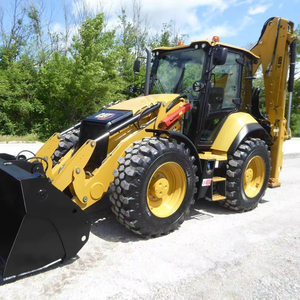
x=248 y=173
x=67 y=142
x=154 y=186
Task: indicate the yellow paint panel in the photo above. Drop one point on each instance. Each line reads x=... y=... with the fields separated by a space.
x=218 y=179
x=232 y=126
x=47 y=150
x=217 y=197
x=136 y=104
x=104 y=174
x=207 y=156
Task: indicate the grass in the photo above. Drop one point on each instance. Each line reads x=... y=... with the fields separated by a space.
x=13 y=138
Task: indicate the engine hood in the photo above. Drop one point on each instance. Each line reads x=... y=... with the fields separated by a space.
x=138 y=103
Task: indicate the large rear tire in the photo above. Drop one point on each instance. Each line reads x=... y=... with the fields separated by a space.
x=154 y=186
x=247 y=175
x=67 y=142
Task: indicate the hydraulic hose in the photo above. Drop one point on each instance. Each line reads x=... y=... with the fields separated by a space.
x=291 y=80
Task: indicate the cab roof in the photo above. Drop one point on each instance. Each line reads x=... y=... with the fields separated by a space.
x=211 y=43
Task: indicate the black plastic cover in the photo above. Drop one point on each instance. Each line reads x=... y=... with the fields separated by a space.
x=96 y=126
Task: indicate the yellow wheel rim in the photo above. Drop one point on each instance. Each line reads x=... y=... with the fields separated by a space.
x=254 y=176
x=166 y=189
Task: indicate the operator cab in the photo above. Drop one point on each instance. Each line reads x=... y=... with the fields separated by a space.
x=211 y=76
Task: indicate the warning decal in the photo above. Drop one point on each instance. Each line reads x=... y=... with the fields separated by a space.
x=206 y=182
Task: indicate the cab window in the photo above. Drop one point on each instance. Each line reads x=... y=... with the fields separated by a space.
x=225 y=81
x=225 y=86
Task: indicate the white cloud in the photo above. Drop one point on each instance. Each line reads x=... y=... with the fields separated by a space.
x=258 y=9
x=223 y=30
x=199 y=19
x=57 y=28
x=190 y=16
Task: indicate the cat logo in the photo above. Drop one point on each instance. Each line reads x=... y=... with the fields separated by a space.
x=104 y=116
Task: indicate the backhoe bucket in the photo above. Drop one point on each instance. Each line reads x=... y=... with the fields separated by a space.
x=39 y=225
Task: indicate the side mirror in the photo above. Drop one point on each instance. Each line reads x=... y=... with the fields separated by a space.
x=219 y=56
x=136 y=66
x=198 y=86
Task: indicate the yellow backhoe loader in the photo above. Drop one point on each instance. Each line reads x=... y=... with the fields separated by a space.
x=195 y=133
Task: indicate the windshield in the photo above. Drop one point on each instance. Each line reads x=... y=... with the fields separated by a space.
x=176 y=71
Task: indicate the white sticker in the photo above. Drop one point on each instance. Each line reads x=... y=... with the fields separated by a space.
x=104 y=116
x=206 y=182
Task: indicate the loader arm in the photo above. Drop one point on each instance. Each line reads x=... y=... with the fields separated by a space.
x=273 y=49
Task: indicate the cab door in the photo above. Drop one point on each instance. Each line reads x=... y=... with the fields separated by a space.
x=224 y=97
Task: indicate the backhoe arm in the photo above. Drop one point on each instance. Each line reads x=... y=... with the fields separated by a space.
x=273 y=49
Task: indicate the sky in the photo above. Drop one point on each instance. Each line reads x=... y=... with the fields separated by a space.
x=236 y=22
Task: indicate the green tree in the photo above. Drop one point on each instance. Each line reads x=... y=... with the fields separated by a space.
x=96 y=59
x=48 y=83
x=13 y=34
x=295 y=112
x=19 y=104
x=169 y=36
x=74 y=86
x=132 y=38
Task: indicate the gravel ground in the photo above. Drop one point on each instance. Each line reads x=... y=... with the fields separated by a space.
x=216 y=254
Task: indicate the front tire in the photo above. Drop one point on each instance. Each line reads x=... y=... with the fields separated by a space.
x=248 y=173
x=154 y=186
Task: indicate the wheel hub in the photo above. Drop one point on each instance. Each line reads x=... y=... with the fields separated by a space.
x=166 y=189
x=254 y=176
x=249 y=175
x=159 y=187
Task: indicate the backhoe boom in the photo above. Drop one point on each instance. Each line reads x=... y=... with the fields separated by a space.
x=277 y=34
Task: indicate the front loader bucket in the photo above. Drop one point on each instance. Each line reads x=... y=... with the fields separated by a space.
x=39 y=225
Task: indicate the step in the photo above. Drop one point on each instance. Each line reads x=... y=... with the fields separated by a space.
x=218 y=179
x=217 y=197
x=210 y=156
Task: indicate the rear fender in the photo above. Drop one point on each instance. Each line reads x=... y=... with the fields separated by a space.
x=238 y=126
x=250 y=130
